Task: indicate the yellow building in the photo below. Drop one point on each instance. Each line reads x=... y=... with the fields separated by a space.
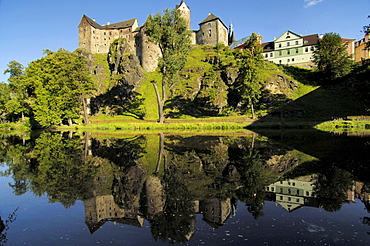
x=360 y=49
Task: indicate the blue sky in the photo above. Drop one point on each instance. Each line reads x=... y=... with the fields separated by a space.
x=27 y=27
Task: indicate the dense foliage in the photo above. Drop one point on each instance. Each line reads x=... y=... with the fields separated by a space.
x=51 y=89
x=331 y=57
x=168 y=31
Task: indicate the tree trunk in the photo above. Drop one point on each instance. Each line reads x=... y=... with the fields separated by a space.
x=22 y=117
x=160 y=152
x=252 y=109
x=69 y=121
x=86 y=117
x=159 y=101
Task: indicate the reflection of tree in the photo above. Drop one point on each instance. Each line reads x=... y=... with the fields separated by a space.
x=4 y=226
x=122 y=152
x=54 y=166
x=254 y=177
x=331 y=187
x=176 y=222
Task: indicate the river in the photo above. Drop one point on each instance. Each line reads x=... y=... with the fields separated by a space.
x=239 y=188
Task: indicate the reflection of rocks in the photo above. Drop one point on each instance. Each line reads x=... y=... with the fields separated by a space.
x=153 y=197
x=127 y=189
x=231 y=173
x=282 y=163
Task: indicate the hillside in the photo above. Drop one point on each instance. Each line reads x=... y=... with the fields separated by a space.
x=201 y=91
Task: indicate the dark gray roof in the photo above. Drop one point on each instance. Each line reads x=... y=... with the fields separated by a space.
x=210 y=17
x=91 y=22
x=239 y=42
x=118 y=25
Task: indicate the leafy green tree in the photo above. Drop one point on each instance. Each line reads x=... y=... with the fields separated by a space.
x=59 y=83
x=168 y=31
x=331 y=56
x=18 y=105
x=247 y=87
x=4 y=98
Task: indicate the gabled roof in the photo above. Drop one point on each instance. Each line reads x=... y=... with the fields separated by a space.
x=211 y=17
x=91 y=22
x=290 y=32
x=182 y=2
x=118 y=25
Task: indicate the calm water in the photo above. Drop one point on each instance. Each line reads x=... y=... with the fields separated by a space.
x=270 y=188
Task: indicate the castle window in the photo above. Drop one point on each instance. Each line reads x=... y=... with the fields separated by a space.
x=110 y=33
x=292 y=59
x=210 y=33
x=289 y=61
x=288 y=52
x=279 y=45
x=105 y=33
x=272 y=188
x=280 y=53
x=287 y=37
x=306 y=49
x=266 y=55
x=296 y=42
x=288 y=44
x=296 y=50
x=312 y=48
x=209 y=24
x=271 y=54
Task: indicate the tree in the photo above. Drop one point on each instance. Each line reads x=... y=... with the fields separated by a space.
x=4 y=98
x=168 y=31
x=59 y=84
x=331 y=56
x=247 y=86
x=18 y=103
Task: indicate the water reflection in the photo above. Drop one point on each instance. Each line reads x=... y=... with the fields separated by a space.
x=167 y=180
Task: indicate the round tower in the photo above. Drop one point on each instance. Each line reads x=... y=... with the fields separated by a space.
x=185 y=12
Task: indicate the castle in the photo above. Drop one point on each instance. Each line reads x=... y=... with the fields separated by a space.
x=97 y=38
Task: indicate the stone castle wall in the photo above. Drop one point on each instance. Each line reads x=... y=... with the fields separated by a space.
x=97 y=39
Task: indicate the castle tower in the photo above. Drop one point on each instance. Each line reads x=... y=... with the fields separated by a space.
x=185 y=12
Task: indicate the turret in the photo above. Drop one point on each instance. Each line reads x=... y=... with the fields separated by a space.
x=185 y=12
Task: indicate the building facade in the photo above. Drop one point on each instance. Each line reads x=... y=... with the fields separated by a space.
x=97 y=38
x=293 y=49
x=360 y=49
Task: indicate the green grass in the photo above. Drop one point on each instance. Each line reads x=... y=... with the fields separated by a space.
x=344 y=125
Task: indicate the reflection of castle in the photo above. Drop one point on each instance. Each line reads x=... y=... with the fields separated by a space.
x=293 y=194
x=101 y=209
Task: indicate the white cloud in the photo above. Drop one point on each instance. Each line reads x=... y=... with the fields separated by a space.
x=311 y=2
